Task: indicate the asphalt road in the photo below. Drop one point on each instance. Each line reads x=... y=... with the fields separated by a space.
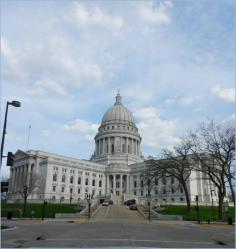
x=116 y=226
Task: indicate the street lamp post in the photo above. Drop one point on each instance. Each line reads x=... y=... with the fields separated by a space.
x=198 y=216
x=15 y=104
x=88 y=197
x=213 y=212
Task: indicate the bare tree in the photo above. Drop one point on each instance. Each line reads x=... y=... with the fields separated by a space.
x=214 y=148
x=28 y=185
x=179 y=164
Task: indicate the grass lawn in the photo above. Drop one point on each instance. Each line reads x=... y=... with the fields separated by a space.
x=50 y=209
x=205 y=212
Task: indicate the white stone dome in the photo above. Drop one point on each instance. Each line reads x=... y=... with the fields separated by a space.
x=118 y=113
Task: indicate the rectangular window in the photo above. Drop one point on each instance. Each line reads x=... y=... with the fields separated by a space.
x=53 y=188
x=62 y=189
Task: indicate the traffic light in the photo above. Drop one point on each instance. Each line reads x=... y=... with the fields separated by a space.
x=10 y=159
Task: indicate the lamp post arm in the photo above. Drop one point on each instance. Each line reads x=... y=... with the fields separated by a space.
x=4 y=132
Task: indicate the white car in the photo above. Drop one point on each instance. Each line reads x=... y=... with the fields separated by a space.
x=105 y=203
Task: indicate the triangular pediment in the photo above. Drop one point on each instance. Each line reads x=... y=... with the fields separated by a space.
x=20 y=154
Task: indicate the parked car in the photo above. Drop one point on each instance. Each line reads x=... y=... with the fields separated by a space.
x=105 y=203
x=133 y=207
x=130 y=202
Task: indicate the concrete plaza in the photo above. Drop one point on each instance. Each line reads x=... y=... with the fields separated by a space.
x=116 y=226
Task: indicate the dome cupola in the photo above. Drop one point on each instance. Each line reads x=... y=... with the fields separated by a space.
x=118 y=113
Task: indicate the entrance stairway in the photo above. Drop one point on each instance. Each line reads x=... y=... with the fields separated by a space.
x=117 y=199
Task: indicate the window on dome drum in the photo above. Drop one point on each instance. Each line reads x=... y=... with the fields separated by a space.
x=107 y=149
x=79 y=180
x=100 y=183
x=93 y=183
x=135 y=184
x=112 y=149
x=164 y=180
x=86 y=181
x=54 y=178
x=71 y=179
x=63 y=178
x=163 y=190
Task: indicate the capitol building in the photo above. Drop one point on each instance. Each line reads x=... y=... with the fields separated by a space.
x=114 y=170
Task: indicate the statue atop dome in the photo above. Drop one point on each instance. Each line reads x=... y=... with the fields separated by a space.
x=118 y=98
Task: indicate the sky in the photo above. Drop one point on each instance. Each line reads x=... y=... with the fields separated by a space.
x=173 y=61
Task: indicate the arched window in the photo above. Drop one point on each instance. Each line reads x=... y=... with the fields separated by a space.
x=141 y=184
x=93 y=182
x=79 y=180
x=86 y=181
x=71 y=179
x=54 y=177
x=156 y=181
x=100 y=183
x=63 y=178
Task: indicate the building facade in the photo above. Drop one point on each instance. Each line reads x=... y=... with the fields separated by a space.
x=115 y=169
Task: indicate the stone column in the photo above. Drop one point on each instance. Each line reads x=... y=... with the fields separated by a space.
x=104 y=151
x=14 y=180
x=127 y=184
x=121 y=184
x=114 y=184
x=109 y=145
x=132 y=146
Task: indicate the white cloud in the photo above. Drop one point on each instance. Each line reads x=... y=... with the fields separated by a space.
x=187 y=100
x=150 y=13
x=227 y=94
x=46 y=86
x=85 y=17
x=10 y=61
x=80 y=125
x=156 y=132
